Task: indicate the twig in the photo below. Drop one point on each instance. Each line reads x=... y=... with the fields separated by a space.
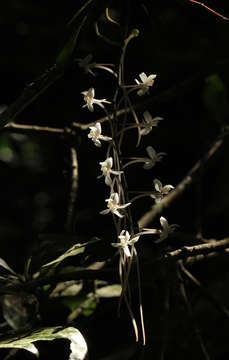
x=181 y=187
x=34 y=128
x=209 y=9
x=187 y=252
x=73 y=192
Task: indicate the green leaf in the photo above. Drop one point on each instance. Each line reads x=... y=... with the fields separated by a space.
x=25 y=341
x=27 y=267
x=73 y=251
x=6 y=266
x=109 y=291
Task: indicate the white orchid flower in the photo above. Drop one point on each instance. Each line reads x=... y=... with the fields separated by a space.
x=147 y=81
x=166 y=229
x=148 y=162
x=161 y=191
x=90 y=100
x=125 y=242
x=96 y=134
x=148 y=123
x=106 y=168
x=113 y=205
x=153 y=158
x=87 y=65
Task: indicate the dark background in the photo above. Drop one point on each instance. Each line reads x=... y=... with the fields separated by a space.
x=184 y=44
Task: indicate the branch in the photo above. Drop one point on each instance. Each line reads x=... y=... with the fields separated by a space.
x=181 y=187
x=190 y=253
x=209 y=9
x=22 y=128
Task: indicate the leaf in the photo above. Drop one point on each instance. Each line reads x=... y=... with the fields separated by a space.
x=25 y=341
x=73 y=251
x=6 y=266
x=109 y=291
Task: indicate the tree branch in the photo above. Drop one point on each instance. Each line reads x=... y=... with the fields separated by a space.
x=181 y=187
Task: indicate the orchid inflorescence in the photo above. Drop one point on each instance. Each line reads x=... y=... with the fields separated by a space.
x=113 y=170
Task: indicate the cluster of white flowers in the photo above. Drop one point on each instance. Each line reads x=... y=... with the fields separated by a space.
x=126 y=241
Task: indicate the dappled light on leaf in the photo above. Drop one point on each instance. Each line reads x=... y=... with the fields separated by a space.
x=25 y=341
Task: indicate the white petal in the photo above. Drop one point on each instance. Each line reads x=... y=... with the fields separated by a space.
x=98 y=102
x=105 y=138
x=90 y=106
x=108 y=180
x=157 y=185
x=166 y=189
x=91 y=92
x=151 y=152
x=143 y=77
x=134 y=239
x=117 y=213
x=148 y=165
x=145 y=131
x=123 y=206
x=164 y=223
x=109 y=162
x=97 y=143
x=116 y=172
x=150 y=79
x=127 y=236
x=126 y=251
x=116 y=244
x=147 y=117
x=104 y=212
x=98 y=127
x=158 y=118
x=115 y=198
